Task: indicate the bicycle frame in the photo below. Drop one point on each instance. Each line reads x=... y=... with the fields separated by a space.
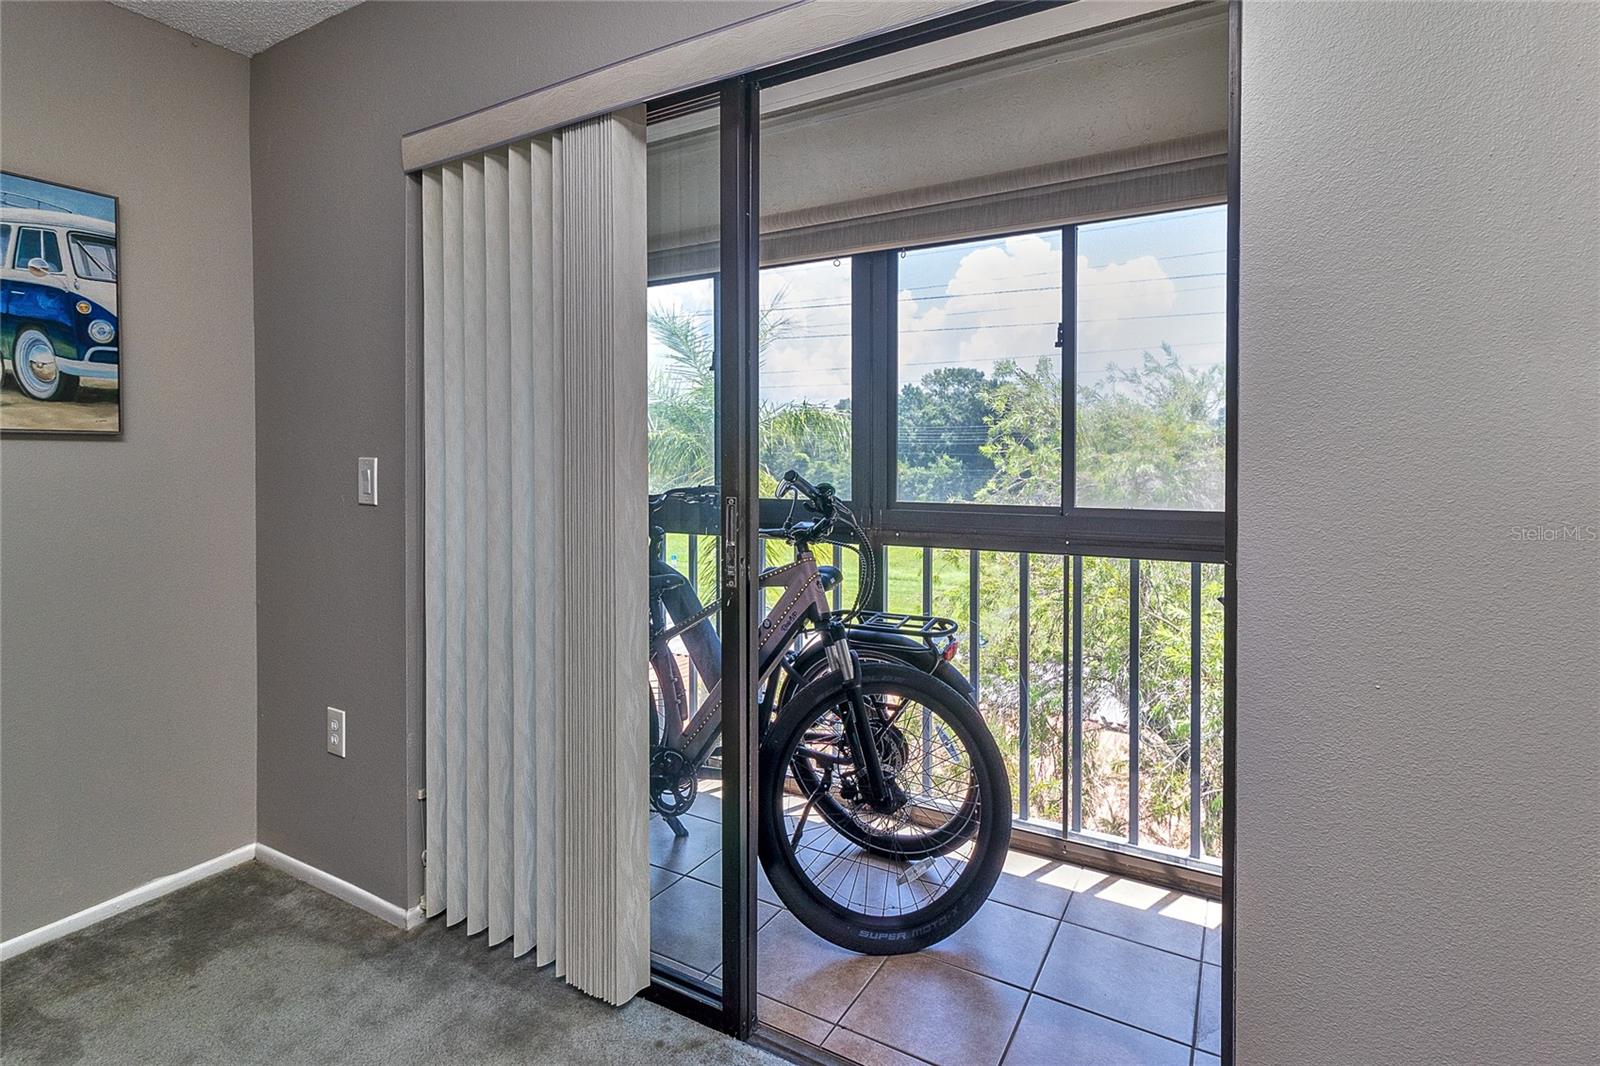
x=800 y=610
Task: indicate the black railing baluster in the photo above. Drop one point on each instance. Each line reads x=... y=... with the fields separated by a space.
x=1195 y=847
x=838 y=590
x=972 y=623
x=927 y=580
x=1024 y=759
x=1077 y=693
x=1133 y=701
x=880 y=595
x=927 y=715
x=1074 y=776
x=694 y=583
x=1066 y=681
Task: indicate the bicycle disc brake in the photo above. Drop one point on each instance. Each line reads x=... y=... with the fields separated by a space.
x=894 y=753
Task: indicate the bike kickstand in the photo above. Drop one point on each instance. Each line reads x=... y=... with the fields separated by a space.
x=677 y=825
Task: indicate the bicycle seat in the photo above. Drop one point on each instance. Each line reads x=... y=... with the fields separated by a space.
x=830 y=576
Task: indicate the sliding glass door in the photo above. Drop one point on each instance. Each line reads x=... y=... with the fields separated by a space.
x=1000 y=327
x=703 y=552
x=686 y=593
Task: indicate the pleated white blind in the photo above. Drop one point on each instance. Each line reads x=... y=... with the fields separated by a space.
x=534 y=406
x=1122 y=121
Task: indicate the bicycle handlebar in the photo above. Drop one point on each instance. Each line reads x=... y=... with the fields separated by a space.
x=820 y=500
x=693 y=494
x=819 y=496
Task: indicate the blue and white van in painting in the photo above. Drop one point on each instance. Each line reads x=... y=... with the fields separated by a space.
x=58 y=300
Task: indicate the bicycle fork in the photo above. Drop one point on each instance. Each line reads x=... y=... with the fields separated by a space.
x=877 y=790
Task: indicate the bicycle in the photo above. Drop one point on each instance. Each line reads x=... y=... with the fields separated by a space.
x=884 y=809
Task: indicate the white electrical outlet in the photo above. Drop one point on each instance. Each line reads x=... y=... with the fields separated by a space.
x=335 y=732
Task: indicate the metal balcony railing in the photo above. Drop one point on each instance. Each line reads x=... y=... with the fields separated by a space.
x=1101 y=678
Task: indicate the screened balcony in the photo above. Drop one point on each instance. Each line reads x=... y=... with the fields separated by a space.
x=1030 y=428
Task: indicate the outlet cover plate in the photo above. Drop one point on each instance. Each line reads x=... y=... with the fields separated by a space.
x=336 y=732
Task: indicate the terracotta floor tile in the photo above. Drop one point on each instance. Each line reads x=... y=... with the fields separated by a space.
x=866 y=1051
x=686 y=924
x=1208 y=1027
x=799 y=968
x=1213 y=943
x=1035 y=883
x=941 y=1013
x=1130 y=982
x=660 y=879
x=1002 y=942
x=795 y=1023
x=682 y=854
x=1137 y=911
x=710 y=872
x=1053 y=1034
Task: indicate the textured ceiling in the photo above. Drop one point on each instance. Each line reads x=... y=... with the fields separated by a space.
x=243 y=26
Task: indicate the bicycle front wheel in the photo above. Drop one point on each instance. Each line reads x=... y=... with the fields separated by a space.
x=878 y=887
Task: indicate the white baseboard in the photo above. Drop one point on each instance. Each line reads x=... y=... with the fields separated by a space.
x=127 y=901
x=340 y=889
x=336 y=887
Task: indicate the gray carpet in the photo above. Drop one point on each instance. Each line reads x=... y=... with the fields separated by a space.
x=252 y=966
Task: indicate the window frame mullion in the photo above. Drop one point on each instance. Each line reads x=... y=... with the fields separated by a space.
x=1069 y=369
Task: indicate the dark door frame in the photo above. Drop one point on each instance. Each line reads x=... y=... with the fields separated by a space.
x=739 y=98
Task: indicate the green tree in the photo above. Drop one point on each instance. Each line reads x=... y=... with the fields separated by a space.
x=682 y=410
x=1024 y=442
x=943 y=426
x=1152 y=436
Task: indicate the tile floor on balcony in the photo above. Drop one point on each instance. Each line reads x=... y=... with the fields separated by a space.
x=1061 y=964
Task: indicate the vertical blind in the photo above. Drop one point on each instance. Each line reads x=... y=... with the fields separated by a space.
x=534 y=318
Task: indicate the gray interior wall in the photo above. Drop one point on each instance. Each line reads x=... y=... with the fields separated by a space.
x=128 y=667
x=1417 y=753
x=1417 y=745
x=337 y=611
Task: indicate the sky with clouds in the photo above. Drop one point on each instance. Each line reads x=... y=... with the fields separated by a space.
x=1141 y=282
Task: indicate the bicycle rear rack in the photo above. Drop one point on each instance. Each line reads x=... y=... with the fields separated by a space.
x=927 y=627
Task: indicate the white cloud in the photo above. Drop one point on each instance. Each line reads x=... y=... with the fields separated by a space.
x=1003 y=301
x=811 y=360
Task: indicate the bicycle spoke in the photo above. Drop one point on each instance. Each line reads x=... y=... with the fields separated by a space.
x=883 y=862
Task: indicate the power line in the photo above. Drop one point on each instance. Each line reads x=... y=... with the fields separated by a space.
x=971 y=360
x=1018 y=325
x=1080 y=375
x=1010 y=277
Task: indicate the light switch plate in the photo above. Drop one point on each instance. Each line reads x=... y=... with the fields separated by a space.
x=336 y=732
x=367 y=481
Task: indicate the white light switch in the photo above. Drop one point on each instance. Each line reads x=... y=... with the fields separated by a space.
x=367 y=482
x=335 y=732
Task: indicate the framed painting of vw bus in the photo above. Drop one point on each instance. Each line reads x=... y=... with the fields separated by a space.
x=60 y=336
